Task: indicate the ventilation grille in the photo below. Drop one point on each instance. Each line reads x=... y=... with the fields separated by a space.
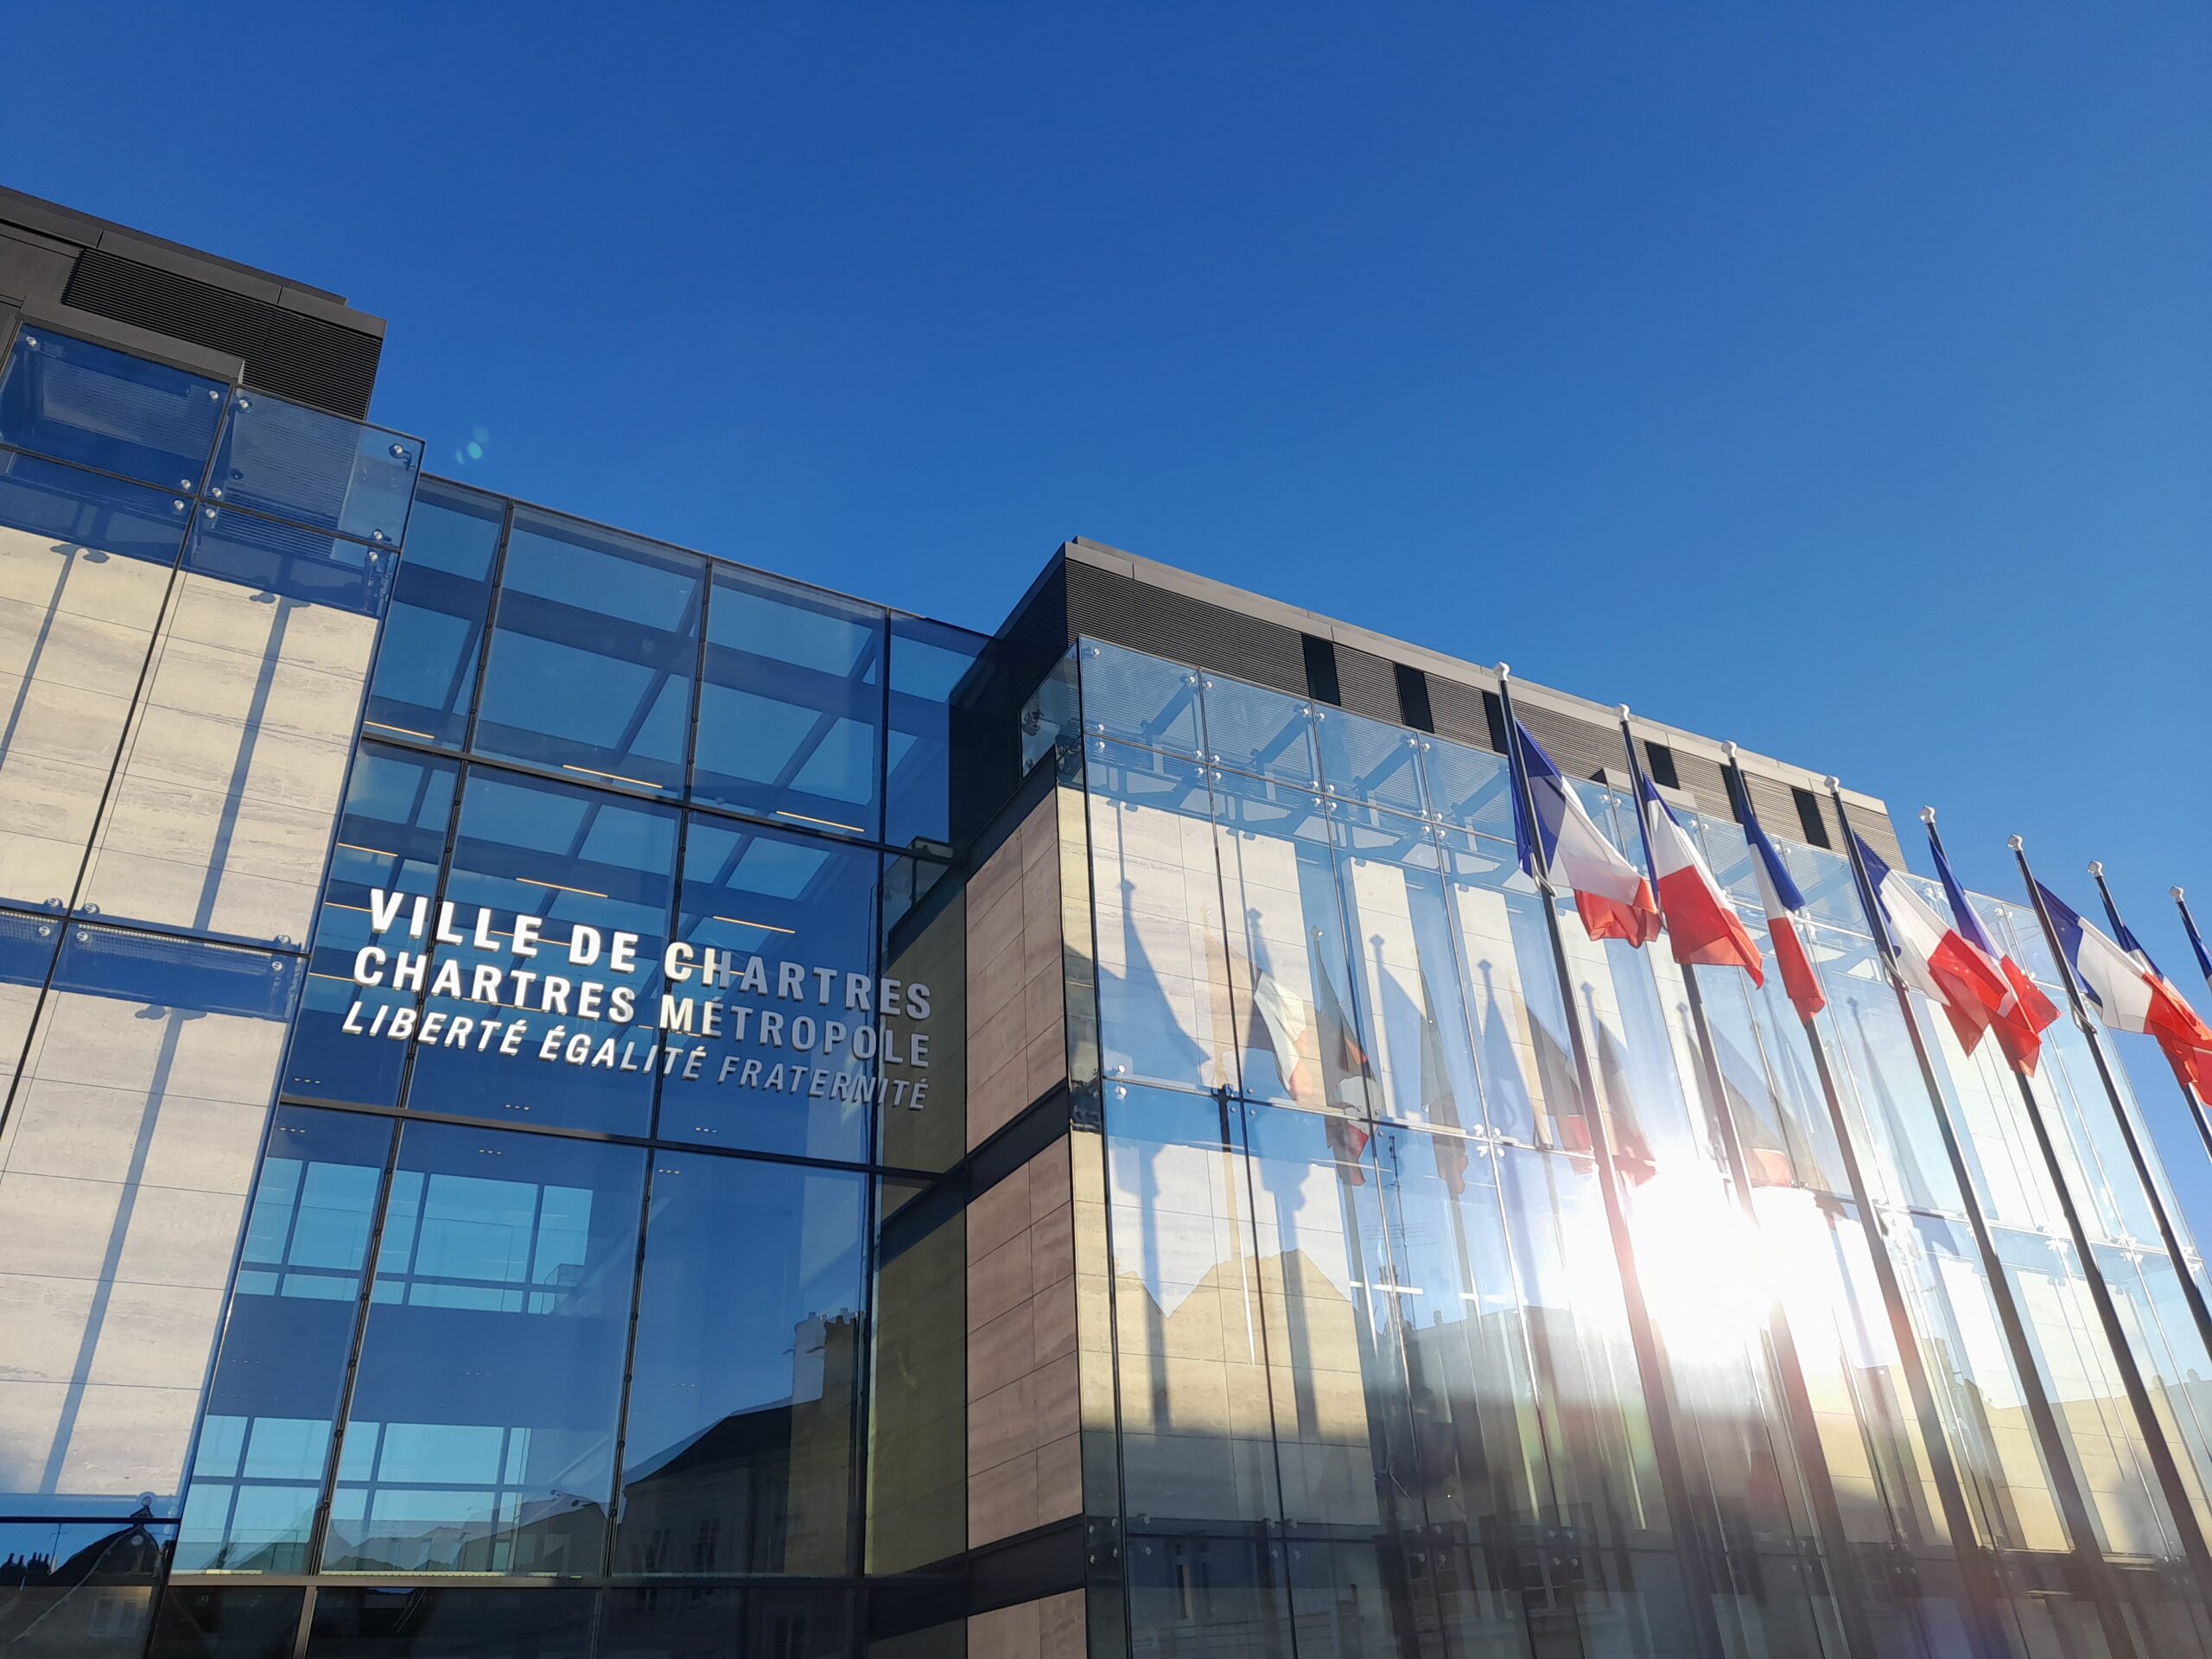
x=1579 y=748
x=1879 y=832
x=331 y=366
x=1462 y=712
x=1126 y=611
x=1368 y=684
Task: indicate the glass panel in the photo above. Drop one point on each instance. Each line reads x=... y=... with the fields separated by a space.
x=518 y=1251
x=123 y=1172
x=392 y=837
x=198 y=1623
x=918 y=1414
x=77 y=1592
x=1524 y=1052
x=926 y=945
x=1408 y=987
x=1287 y=965
x=670 y=1624
x=285 y=559
x=1140 y=700
x=451 y=1624
x=315 y=468
x=585 y=865
x=594 y=653
x=1163 y=970
x=1260 y=731
x=1368 y=761
x=1197 y=1444
x=738 y=1452
x=235 y=764
x=264 y=1439
x=1335 y=1378
x=791 y=921
x=79 y=402
x=84 y=570
x=930 y=663
x=1471 y=788
x=425 y=681
x=793 y=705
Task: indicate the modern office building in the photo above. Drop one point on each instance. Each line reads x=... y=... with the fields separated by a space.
x=562 y=1096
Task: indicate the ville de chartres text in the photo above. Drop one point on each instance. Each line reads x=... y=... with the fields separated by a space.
x=793 y=1027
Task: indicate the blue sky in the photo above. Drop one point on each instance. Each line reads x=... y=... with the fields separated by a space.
x=1838 y=383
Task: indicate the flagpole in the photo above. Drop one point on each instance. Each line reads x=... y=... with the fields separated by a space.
x=2195 y=1108
x=2065 y=1487
x=2168 y=1234
x=2170 y=1484
x=2196 y=939
x=1651 y=1362
x=1975 y=1570
x=1790 y=1371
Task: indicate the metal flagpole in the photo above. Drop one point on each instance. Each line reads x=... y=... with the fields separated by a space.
x=2196 y=939
x=2065 y=1486
x=1650 y=1361
x=1976 y=1572
x=2162 y=1452
x=2170 y=1484
x=2187 y=1094
x=1790 y=1371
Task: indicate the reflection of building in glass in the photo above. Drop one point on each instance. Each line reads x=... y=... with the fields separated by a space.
x=565 y=1096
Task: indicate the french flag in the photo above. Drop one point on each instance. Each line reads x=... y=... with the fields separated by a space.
x=1936 y=960
x=2196 y=939
x=1611 y=894
x=1781 y=898
x=1971 y=962
x=1702 y=924
x=2132 y=995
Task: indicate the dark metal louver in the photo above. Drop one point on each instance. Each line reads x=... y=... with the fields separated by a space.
x=325 y=363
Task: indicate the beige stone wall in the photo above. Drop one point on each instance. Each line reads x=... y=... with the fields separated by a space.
x=1049 y=1628
x=1024 y=1463
x=1017 y=1041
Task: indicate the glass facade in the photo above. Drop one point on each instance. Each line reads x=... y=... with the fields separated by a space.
x=488 y=1163
x=1377 y=1277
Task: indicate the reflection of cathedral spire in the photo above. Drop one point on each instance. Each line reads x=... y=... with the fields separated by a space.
x=1438 y=1098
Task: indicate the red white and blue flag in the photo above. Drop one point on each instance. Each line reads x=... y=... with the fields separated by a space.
x=1959 y=970
x=1781 y=898
x=1702 y=924
x=1611 y=894
x=2020 y=1012
x=2131 y=994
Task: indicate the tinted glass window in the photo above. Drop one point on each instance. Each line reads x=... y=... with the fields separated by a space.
x=482 y=1433
x=315 y=468
x=198 y=1623
x=434 y=630
x=928 y=664
x=739 y=1453
x=82 y=1591
x=585 y=865
x=791 y=919
x=264 y=1441
x=594 y=654
x=793 y=705
x=392 y=837
x=657 y=1623
x=450 y=1624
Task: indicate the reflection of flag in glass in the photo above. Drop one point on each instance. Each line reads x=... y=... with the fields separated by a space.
x=1764 y=1143
x=1631 y=1152
x=1439 y=1101
x=1282 y=1025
